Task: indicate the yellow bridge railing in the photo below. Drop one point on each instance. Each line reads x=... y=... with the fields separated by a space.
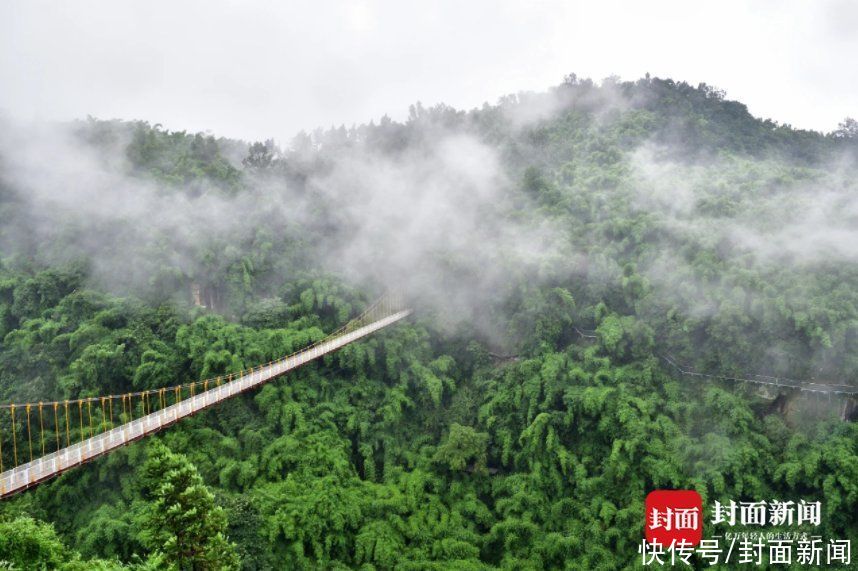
x=77 y=431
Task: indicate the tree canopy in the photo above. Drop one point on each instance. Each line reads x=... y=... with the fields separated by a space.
x=555 y=247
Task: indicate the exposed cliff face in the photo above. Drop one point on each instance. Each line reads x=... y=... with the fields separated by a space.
x=206 y=296
x=196 y=294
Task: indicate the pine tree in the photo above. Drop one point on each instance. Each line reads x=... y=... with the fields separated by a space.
x=182 y=520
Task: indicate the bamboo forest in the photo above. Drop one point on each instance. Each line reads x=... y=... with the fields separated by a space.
x=605 y=288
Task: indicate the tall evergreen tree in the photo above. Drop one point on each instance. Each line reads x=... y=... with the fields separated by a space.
x=181 y=520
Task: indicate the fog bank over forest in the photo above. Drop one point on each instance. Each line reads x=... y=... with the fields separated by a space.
x=453 y=207
x=560 y=249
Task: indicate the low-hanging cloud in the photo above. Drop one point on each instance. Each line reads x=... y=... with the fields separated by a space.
x=434 y=219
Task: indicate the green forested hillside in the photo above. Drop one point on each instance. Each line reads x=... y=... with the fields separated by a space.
x=554 y=246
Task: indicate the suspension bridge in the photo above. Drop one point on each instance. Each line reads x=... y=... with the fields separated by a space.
x=40 y=440
x=768 y=380
x=77 y=431
x=801 y=385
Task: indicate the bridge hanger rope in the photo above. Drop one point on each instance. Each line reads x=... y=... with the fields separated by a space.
x=806 y=386
x=101 y=418
x=193 y=385
x=785 y=382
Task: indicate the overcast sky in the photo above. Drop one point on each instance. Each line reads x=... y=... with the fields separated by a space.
x=256 y=70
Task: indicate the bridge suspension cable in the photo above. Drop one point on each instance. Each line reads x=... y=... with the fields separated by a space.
x=782 y=382
x=95 y=429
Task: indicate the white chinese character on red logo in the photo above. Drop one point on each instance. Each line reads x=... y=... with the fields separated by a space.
x=679 y=518
x=685 y=518
x=659 y=519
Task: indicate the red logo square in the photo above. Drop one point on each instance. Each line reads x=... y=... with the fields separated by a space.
x=673 y=515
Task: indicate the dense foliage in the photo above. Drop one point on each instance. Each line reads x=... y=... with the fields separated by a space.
x=524 y=436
